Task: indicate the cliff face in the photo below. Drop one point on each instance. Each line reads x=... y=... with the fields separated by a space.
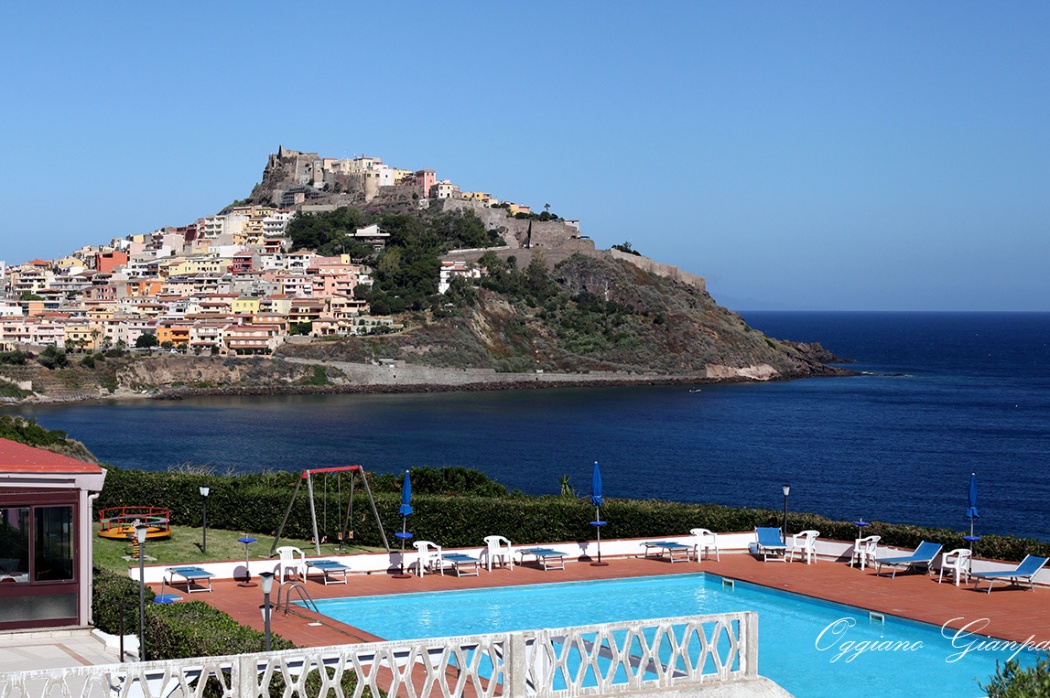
x=600 y=315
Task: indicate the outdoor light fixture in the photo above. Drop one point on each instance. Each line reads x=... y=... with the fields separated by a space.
x=204 y=543
x=267 y=585
x=787 y=491
x=140 y=536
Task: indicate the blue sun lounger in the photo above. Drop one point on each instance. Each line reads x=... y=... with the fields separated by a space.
x=924 y=556
x=328 y=567
x=670 y=547
x=459 y=561
x=193 y=576
x=770 y=542
x=1026 y=570
x=549 y=558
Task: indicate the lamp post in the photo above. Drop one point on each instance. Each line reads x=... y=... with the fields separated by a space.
x=204 y=493
x=140 y=536
x=787 y=491
x=267 y=585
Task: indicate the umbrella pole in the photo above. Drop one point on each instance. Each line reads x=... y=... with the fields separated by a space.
x=404 y=528
x=598 y=518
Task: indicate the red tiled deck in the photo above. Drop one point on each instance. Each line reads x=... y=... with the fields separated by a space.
x=1008 y=612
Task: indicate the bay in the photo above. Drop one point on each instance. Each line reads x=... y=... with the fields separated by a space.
x=957 y=393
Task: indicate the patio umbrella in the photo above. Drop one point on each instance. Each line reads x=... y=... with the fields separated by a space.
x=972 y=511
x=596 y=500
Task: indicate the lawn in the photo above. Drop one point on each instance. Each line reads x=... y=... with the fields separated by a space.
x=184 y=546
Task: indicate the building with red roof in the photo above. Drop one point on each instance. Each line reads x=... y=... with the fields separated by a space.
x=46 y=537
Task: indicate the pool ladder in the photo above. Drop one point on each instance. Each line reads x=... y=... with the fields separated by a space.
x=300 y=589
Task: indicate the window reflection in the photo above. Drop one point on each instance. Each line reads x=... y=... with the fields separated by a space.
x=53 y=543
x=14 y=544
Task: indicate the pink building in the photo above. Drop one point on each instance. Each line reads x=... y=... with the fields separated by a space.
x=425 y=179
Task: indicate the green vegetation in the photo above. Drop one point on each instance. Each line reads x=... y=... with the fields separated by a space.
x=406 y=270
x=1011 y=681
x=626 y=247
x=52 y=357
x=453 y=504
x=184 y=546
x=10 y=390
x=146 y=340
x=13 y=358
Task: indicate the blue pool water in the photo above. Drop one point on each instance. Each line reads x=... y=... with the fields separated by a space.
x=810 y=647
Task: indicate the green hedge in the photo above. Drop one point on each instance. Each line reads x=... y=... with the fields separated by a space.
x=173 y=631
x=256 y=504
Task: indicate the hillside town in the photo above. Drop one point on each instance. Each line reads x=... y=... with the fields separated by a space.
x=230 y=284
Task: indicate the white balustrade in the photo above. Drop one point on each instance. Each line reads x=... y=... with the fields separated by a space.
x=604 y=659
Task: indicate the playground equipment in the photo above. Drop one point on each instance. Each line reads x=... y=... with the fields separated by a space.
x=118 y=523
x=344 y=531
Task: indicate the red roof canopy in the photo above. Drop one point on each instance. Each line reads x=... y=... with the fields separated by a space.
x=19 y=458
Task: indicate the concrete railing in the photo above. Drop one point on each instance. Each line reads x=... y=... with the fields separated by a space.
x=608 y=659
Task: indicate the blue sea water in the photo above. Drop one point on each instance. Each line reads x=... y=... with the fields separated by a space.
x=956 y=393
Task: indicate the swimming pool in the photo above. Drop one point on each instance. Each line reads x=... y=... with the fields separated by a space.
x=810 y=647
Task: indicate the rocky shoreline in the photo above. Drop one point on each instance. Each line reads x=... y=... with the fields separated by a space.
x=179 y=377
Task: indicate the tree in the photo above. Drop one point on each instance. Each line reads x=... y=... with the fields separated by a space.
x=147 y=340
x=52 y=357
x=626 y=247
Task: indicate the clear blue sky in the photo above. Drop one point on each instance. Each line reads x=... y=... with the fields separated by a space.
x=799 y=155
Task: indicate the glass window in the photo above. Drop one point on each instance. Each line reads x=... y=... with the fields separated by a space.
x=14 y=544
x=53 y=543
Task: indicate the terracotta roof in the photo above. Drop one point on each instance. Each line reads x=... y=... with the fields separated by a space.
x=19 y=458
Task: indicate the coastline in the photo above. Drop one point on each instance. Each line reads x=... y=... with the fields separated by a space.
x=176 y=378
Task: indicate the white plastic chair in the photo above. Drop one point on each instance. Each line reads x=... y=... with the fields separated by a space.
x=499 y=548
x=864 y=550
x=956 y=561
x=292 y=560
x=706 y=541
x=429 y=559
x=804 y=544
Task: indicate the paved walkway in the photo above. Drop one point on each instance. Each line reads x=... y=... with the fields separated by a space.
x=60 y=649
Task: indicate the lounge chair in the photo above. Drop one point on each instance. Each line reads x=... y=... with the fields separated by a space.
x=864 y=550
x=292 y=560
x=705 y=541
x=804 y=544
x=670 y=547
x=548 y=558
x=1026 y=570
x=430 y=557
x=193 y=576
x=923 y=556
x=770 y=542
x=328 y=567
x=458 y=562
x=499 y=548
x=955 y=562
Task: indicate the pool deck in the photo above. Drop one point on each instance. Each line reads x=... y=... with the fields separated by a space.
x=1008 y=613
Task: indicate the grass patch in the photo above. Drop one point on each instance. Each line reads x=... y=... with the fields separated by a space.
x=184 y=547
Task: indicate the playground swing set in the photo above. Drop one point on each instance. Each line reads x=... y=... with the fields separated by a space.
x=345 y=532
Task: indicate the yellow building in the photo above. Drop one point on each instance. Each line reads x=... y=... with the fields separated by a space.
x=245 y=306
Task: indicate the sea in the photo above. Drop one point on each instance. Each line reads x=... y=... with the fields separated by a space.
x=941 y=396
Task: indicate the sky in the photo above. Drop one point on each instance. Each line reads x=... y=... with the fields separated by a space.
x=799 y=156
